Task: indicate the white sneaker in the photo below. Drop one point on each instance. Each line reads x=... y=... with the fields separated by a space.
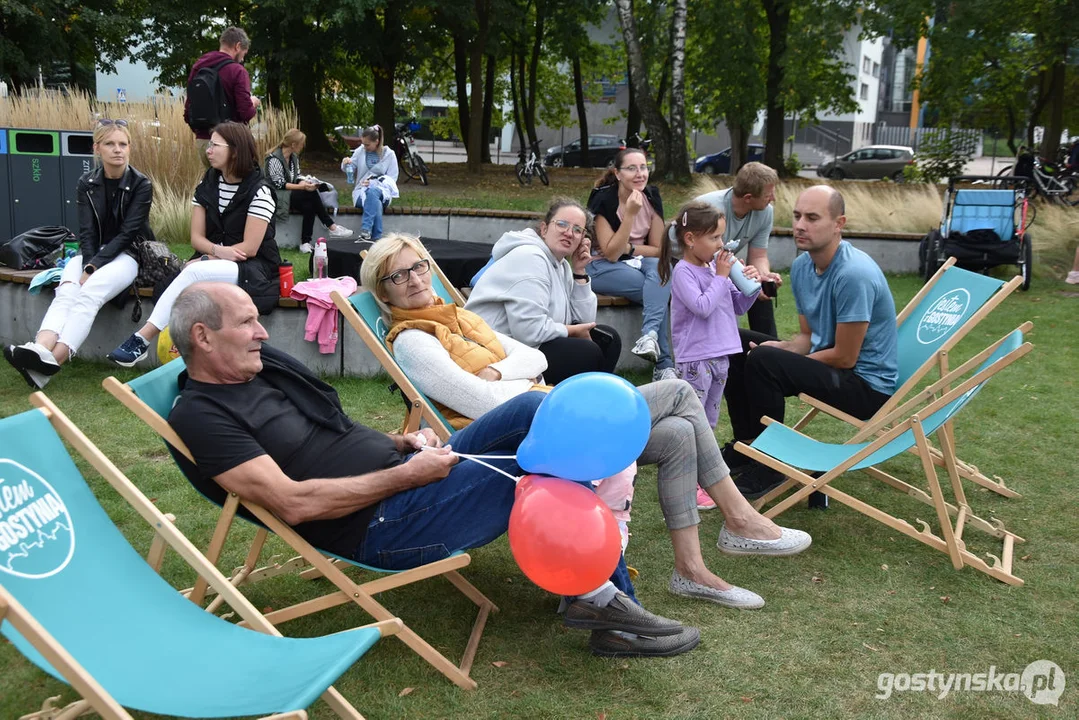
x=305 y=248
x=1073 y=277
x=38 y=358
x=664 y=374
x=647 y=346
x=340 y=231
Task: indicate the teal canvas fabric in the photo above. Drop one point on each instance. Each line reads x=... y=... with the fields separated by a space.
x=955 y=297
x=984 y=210
x=153 y=650
x=803 y=452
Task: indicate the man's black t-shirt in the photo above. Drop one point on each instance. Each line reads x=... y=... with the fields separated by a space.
x=226 y=425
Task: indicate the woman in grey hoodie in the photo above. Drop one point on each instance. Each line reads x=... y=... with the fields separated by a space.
x=537 y=292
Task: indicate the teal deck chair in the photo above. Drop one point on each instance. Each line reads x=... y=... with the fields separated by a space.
x=151 y=397
x=943 y=312
x=362 y=312
x=908 y=427
x=149 y=649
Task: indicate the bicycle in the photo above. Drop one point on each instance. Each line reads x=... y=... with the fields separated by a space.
x=410 y=162
x=530 y=164
x=1048 y=179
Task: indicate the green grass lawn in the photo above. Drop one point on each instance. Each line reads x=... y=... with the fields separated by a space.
x=862 y=601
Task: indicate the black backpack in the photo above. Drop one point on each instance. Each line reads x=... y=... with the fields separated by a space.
x=209 y=104
x=35 y=249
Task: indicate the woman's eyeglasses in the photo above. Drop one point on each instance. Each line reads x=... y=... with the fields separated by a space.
x=577 y=230
x=635 y=168
x=108 y=121
x=401 y=276
x=217 y=144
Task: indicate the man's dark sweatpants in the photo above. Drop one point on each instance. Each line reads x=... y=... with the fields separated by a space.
x=759 y=381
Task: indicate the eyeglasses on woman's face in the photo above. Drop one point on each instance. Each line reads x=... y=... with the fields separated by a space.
x=400 y=277
x=634 y=169
x=218 y=144
x=564 y=225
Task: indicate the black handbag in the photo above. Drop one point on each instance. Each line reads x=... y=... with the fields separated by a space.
x=36 y=249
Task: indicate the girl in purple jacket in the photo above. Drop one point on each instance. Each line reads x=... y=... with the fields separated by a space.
x=705 y=306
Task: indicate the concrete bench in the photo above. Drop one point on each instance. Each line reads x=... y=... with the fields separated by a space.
x=23 y=312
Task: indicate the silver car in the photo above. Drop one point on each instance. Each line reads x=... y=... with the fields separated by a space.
x=874 y=162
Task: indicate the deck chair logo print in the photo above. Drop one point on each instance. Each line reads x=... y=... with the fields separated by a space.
x=37 y=538
x=948 y=311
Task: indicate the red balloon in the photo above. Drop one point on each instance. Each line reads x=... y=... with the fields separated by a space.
x=563 y=537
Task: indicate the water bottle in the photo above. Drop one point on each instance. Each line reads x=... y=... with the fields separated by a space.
x=320 y=258
x=746 y=286
x=350 y=173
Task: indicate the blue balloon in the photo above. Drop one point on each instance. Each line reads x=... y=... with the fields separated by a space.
x=589 y=427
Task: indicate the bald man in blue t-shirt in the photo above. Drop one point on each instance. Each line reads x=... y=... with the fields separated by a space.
x=845 y=351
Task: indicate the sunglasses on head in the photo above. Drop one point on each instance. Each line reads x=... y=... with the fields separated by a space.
x=108 y=121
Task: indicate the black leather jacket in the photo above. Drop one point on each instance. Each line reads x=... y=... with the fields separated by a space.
x=132 y=211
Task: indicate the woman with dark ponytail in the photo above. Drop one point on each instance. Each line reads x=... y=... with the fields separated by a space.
x=376 y=180
x=632 y=254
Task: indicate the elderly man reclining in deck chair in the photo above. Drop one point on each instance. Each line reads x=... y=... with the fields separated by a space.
x=259 y=424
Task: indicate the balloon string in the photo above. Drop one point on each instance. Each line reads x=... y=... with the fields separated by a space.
x=476 y=459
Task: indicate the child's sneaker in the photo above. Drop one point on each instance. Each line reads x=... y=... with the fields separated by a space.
x=1073 y=277
x=133 y=350
x=647 y=346
x=704 y=500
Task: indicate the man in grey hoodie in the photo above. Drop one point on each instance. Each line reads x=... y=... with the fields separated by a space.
x=537 y=292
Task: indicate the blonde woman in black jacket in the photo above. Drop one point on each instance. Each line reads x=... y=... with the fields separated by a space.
x=114 y=209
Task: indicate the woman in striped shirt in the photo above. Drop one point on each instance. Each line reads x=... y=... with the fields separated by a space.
x=232 y=232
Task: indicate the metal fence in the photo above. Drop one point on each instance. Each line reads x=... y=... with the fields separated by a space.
x=916 y=138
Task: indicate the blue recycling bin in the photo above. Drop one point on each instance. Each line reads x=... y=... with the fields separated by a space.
x=76 y=159
x=5 y=195
x=37 y=197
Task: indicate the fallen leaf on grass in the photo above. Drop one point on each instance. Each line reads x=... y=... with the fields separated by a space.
x=1025 y=557
x=267 y=610
x=817 y=578
x=746 y=699
x=884 y=567
x=890 y=592
x=601 y=716
x=870 y=647
x=500 y=663
x=625 y=666
x=945 y=599
x=406 y=691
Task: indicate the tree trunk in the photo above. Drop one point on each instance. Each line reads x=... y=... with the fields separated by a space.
x=308 y=112
x=633 y=113
x=739 y=143
x=779 y=16
x=679 y=154
x=475 y=110
x=518 y=125
x=646 y=102
x=582 y=117
x=533 y=70
x=488 y=105
x=527 y=104
x=384 y=80
x=460 y=74
x=1055 y=126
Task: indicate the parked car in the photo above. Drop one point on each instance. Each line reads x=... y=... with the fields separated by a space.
x=601 y=152
x=874 y=162
x=720 y=163
x=350 y=134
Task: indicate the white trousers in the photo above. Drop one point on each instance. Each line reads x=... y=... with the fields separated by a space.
x=198 y=271
x=72 y=312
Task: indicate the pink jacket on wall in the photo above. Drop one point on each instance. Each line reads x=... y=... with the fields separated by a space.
x=321 y=312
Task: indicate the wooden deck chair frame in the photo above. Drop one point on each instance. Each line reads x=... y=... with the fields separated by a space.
x=420 y=409
x=953 y=518
x=938 y=360
x=347 y=590
x=93 y=695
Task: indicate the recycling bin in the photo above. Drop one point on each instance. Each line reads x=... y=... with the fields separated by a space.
x=5 y=196
x=37 y=197
x=76 y=159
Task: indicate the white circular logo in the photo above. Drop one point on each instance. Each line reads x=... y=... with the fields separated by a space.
x=37 y=538
x=943 y=314
x=1043 y=682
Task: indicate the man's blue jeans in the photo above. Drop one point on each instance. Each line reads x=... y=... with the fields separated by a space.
x=467 y=509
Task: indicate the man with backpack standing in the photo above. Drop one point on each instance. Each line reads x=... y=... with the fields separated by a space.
x=219 y=89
